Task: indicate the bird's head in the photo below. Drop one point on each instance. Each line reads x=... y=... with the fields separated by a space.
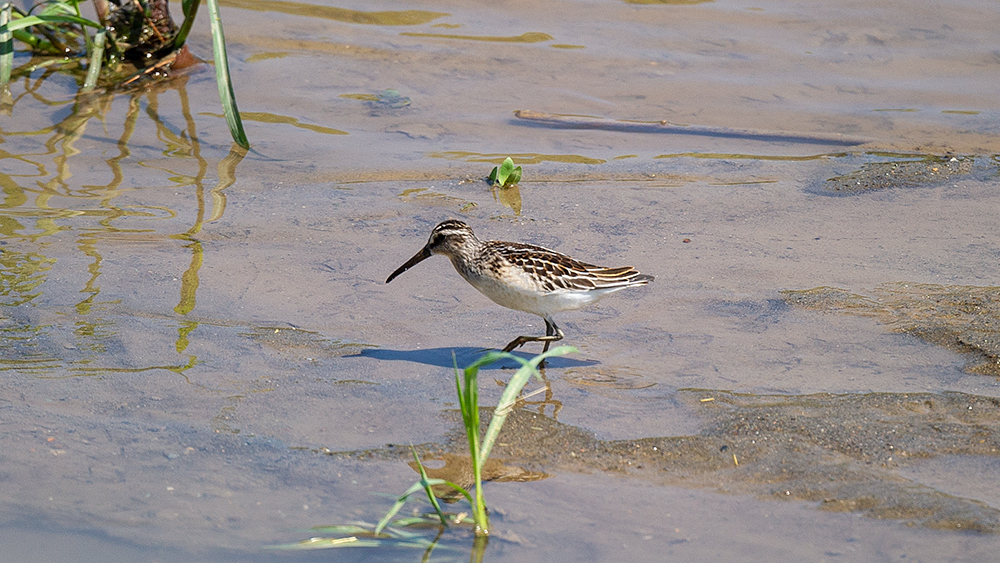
x=451 y=238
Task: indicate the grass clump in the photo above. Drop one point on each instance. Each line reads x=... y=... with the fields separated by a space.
x=127 y=42
x=393 y=531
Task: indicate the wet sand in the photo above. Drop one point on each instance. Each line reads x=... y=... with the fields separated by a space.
x=187 y=335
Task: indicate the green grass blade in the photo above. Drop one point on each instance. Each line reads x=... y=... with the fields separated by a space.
x=511 y=392
x=468 y=401
x=490 y=357
x=190 y=9
x=223 y=78
x=458 y=488
x=29 y=21
x=427 y=487
x=96 y=60
x=58 y=8
x=40 y=45
x=6 y=46
x=397 y=506
x=470 y=409
x=75 y=7
x=423 y=483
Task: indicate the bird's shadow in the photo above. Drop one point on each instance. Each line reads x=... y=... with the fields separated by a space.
x=443 y=357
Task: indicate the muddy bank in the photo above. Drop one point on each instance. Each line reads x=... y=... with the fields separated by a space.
x=839 y=452
x=965 y=319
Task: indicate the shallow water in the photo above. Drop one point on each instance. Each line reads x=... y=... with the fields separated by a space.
x=186 y=332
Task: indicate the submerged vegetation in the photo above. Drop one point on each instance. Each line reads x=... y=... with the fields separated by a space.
x=397 y=532
x=129 y=42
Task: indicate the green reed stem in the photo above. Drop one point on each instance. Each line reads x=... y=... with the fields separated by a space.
x=468 y=402
x=6 y=46
x=190 y=10
x=96 y=61
x=223 y=79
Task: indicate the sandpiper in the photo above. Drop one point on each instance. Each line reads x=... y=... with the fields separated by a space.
x=524 y=277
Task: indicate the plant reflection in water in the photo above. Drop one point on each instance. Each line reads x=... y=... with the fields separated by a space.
x=44 y=206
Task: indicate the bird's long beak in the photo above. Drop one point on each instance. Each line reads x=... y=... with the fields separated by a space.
x=419 y=257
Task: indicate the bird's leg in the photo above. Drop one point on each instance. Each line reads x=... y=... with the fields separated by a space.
x=550 y=330
x=552 y=334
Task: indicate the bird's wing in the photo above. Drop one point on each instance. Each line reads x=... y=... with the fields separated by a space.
x=555 y=271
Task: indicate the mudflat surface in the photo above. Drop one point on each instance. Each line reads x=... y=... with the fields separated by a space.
x=200 y=357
